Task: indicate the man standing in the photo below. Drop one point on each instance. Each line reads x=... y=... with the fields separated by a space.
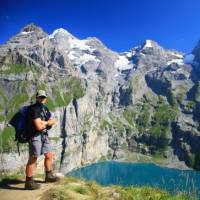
x=39 y=121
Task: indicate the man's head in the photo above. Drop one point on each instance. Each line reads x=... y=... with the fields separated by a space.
x=41 y=96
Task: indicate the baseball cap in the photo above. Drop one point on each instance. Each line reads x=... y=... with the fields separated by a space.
x=41 y=93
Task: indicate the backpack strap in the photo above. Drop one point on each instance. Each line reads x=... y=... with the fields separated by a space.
x=18 y=148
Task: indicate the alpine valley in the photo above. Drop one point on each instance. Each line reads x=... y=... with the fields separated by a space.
x=139 y=105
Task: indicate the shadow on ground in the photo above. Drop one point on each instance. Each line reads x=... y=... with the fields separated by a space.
x=14 y=184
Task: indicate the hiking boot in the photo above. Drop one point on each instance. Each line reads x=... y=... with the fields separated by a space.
x=31 y=185
x=50 y=177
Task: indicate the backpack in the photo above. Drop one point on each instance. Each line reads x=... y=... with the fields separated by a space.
x=20 y=122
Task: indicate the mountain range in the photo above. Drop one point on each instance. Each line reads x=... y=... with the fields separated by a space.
x=138 y=105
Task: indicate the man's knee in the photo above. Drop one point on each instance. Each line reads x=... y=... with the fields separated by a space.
x=48 y=155
x=32 y=160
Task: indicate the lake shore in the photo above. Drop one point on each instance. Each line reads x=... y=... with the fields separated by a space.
x=172 y=162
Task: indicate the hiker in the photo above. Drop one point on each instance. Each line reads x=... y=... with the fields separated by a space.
x=38 y=124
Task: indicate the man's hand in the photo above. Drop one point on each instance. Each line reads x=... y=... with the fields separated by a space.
x=51 y=121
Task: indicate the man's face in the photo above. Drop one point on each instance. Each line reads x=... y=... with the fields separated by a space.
x=42 y=99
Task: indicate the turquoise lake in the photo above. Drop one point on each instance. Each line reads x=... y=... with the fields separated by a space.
x=140 y=174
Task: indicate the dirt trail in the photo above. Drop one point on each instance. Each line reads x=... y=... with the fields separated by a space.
x=14 y=190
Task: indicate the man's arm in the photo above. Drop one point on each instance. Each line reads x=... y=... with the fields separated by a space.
x=40 y=124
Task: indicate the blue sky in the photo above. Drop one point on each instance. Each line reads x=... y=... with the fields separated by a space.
x=119 y=24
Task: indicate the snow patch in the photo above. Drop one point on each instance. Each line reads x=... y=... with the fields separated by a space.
x=189 y=59
x=79 y=44
x=123 y=63
x=25 y=33
x=83 y=59
x=178 y=55
x=86 y=58
x=57 y=31
x=71 y=55
x=130 y=54
x=148 y=44
x=176 y=61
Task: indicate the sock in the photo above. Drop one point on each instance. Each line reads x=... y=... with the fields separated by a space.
x=29 y=178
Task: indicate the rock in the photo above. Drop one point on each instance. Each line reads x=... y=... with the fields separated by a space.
x=167 y=154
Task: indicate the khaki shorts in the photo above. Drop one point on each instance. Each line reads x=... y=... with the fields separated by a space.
x=39 y=145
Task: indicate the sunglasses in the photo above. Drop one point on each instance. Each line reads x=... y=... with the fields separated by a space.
x=42 y=97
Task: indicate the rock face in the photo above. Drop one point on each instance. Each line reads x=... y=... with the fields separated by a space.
x=106 y=104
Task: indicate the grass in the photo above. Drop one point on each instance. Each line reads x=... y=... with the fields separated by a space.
x=75 y=87
x=116 y=123
x=59 y=99
x=15 y=176
x=147 y=193
x=77 y=189
x=15 y=69
x=70 y=188
x=104 y=125
x=20 y=68
x=7 y=137
x=64 y=92
x=18 y=100
x=67 y=97
x=2 y=118
x=50 y=104
x=129 y=114
x=74 y=189
x=103 y=159
x=143 y=121
x=162 y=119
x=41 y=86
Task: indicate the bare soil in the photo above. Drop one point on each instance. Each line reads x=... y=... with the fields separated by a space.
x=14 y=190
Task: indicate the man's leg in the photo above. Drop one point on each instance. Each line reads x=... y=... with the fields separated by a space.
x=34 y=152
x=30 y=184
x=30 y=166
x=48 y=161
x=48 y=167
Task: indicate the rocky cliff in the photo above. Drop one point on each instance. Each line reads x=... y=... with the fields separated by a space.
x=107 y=105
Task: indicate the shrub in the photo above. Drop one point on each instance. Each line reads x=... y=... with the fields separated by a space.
x=59 y=100
x=129 y=114
x=163 y=117
x=15 y=69
x=104 y=124
x=143 y=120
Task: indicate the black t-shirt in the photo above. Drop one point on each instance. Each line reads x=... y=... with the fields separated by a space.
x=37 y=110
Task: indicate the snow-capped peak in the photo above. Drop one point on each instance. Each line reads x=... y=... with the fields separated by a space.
x=60 y=31
x=148 y=44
